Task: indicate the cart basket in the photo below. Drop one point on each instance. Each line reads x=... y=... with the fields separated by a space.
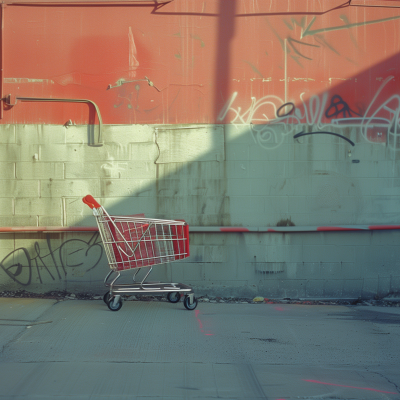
x=135 y=241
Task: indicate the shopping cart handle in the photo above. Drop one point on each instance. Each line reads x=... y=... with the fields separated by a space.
x=91 y=202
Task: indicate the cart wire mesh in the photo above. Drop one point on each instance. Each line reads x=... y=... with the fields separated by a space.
x=136 y=241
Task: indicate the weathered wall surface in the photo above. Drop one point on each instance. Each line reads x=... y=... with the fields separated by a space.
x=276 y=116
x=237 y=183
x=290 y=265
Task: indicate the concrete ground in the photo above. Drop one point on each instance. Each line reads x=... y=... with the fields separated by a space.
x=156 y=350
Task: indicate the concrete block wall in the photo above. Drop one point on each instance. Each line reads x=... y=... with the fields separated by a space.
x=313 y=180
x=227 y=175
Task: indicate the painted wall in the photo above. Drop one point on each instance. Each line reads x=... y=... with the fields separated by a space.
x=224 y=113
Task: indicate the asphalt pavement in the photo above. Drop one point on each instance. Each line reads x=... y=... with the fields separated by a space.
x=79 y=349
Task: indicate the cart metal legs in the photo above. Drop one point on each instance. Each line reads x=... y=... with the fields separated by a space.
x=113 y=298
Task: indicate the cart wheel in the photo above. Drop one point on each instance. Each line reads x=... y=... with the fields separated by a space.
x=188 y=306
x=173 y=297
x=113 y=307
x=106 y=297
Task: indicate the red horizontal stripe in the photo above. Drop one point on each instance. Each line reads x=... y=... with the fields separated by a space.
x=336 y=228
x=381 y=227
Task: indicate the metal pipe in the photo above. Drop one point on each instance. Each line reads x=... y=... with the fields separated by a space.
x=49 y=99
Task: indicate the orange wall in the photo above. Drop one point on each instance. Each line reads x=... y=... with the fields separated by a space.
x=201 y=56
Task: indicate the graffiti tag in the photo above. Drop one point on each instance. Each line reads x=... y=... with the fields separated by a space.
x=20 y=265
x=271 y=119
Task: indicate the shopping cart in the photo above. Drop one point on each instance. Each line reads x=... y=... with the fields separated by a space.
x=135 y=242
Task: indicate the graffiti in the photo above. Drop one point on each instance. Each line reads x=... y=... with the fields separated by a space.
x=278 y=111
x=339 y=106
x=291 y=42
x=325 y=133
x=294 y=47
x=270 y=123
x=19 y=265
x=309 y=32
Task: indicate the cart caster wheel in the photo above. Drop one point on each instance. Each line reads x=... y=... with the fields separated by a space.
x=114 y=307
x=106 y=298
x=188 y=306
x=173 y=297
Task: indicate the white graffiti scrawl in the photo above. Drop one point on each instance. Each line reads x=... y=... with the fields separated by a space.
x=271 y=119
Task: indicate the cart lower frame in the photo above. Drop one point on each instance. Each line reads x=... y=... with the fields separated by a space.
x=173 y=290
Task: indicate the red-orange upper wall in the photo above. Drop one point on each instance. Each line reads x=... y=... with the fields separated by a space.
x=201 y=56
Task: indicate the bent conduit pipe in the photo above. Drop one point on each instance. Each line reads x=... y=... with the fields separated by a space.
x=45 y=99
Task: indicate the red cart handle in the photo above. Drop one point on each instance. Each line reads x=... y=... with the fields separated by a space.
x=91 y=202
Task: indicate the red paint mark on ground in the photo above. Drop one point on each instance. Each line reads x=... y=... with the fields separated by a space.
x=351 y=387
x=206 y=333
x=279 y=309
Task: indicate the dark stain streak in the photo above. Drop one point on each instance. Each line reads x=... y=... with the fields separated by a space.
x=291 y=41
x=173 y=101
x=288 y=24
x=368 y=315
x=296 y=59
x=321 y=40
x=285 y=222
x=151 y=109
x=253 y=67
x=344 y=18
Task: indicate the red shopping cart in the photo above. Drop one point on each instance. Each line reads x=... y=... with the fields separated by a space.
x=135 y=242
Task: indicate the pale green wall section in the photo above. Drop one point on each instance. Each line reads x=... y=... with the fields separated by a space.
x=232 y=175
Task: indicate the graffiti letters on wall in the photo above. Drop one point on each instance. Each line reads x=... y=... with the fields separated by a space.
x=41 y=265
x=271 y=119
x=294 y=46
